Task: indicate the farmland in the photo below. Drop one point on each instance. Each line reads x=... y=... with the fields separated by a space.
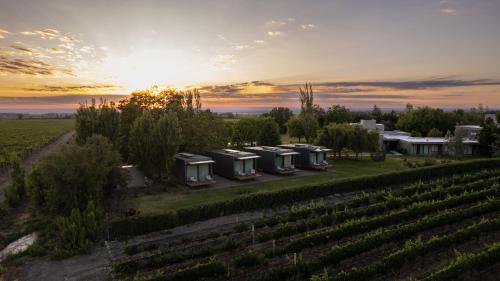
x=387 y=233
x=22 y=136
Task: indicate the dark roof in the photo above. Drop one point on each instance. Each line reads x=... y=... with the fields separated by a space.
x=193 y=158
x=276 y=150
x=309 y=147
x=237 y=154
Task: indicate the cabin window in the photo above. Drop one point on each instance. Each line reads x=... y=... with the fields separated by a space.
x=204 y=171
x=191 y=172
x=238 y=166
x=321 y=157
x=312 y=158
x=249 y=165
x=288 y=161
x=279 y=161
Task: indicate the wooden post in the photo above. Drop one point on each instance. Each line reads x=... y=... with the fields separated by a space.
x=274 y=246
x=294 y=258
x=253 y=233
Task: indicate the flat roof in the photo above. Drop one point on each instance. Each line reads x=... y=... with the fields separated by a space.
x=310 y=147
x=277 y=150
x=237 y=154
x=422 y=140
x=194 y=159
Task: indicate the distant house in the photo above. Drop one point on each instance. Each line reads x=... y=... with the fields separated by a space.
x=370 y=125
x=275 y=160
x=310 y=156
x=404 y=142
x=194 y=170
x=235 y=164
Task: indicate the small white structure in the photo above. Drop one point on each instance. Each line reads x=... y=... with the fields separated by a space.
x=370 y=125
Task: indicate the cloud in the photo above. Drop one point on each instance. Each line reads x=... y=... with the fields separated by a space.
x=222 y=61
x=73 y=88
x=50 y=101
x=276 y=23
x=242 y=47
x=2 y=32
x=308 y=26
x=415 y=85
x=258 y=41
x=276 y=33
x=29 y=67
x=23 y=49
x=449 y=11
x=327 y=92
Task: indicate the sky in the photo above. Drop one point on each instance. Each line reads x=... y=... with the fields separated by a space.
x=255 y=54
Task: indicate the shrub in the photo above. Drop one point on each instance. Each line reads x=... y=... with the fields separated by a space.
x=16 y=189
x=76 y=233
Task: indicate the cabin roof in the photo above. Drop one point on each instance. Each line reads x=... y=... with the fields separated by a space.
x=194 y=159
x=237 y=154
x=310 y=147
x=276 y=150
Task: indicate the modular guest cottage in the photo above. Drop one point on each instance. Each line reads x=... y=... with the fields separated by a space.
x=310 y=156
x=194 y=170
x=235 y=164
x=275 y=160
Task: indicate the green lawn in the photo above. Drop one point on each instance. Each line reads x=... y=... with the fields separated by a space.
x=159 y=203
x=18 y=136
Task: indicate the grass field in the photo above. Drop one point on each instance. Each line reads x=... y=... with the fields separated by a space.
x=19 y=136
x=159 y=203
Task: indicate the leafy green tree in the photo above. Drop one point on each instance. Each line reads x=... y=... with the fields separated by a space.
x=487 y=138
x=433 y=133
x=269 y=134
x=376 y=113
x=75 y=175
x=102 y=119
x=281 y=115
x=358 y=140
x=336 y=137
x=16 y=189
x=423 y=119
x=203 y=131
x=246 y=131
x=295 y=127
x=310 y=126
x=169 y=139
x=338 y=114
x=309 y=121
x=144 y=147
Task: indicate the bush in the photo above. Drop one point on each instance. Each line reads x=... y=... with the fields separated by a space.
x=260 y=200
x=76 y=233
x=74 y=175
x=16 y=189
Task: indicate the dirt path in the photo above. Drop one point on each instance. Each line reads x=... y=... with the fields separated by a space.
x=30 y=160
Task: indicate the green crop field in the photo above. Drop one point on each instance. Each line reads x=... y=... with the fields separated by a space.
x=446 y=228
x=20 y=136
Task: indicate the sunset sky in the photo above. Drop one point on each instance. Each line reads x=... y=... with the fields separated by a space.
x=246 y=55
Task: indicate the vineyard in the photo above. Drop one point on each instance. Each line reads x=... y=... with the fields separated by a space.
x=22 y=137
x=447 y=228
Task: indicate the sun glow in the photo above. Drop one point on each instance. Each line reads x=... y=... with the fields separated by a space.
x=145 y=67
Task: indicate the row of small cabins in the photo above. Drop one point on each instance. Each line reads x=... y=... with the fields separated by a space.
x=199 y=170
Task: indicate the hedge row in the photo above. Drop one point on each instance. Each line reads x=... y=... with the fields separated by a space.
x=144 y=224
